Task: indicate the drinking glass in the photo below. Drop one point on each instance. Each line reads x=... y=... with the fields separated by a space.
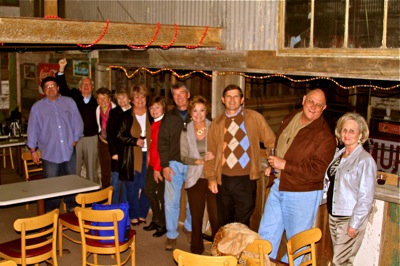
x=381 y=179
x=272 y=152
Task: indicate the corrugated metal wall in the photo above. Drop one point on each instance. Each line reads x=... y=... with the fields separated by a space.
x=248 y=25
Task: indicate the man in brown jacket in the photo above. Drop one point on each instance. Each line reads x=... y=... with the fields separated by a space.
x=234 y=139
x=305 y=147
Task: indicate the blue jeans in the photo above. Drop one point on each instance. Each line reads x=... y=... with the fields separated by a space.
x=172 y=196
x=119 y=193
x=290 y=211
x=51 y=169
x=139 y=204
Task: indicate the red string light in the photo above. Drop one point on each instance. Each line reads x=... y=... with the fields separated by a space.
x=99 y=39
x=201 y=40
x=52 y=17
x=173 y=39
x=151 y=41
x=174 y=73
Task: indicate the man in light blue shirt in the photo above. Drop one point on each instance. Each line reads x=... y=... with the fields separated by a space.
x=55 y=126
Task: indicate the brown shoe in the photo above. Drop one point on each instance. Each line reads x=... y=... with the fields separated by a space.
x=187 y=233
x=170 y=244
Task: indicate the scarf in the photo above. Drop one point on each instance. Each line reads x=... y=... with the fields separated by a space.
x=104 y=120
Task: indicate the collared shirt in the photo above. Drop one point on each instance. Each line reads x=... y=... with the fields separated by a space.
x=87 y=99
x=53 y=127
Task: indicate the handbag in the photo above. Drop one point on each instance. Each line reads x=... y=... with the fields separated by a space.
x=123 y=225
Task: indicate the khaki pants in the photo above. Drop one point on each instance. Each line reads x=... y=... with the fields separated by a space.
x=345 y=248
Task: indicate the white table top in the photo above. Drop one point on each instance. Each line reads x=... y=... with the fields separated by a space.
x=44 y=188
x=13 y=143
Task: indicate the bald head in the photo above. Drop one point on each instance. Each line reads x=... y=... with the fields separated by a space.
x=314 y=103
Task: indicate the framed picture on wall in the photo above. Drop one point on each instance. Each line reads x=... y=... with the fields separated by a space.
x=30 y=71
x=81 y=68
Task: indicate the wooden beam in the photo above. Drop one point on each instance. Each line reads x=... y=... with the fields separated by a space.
x=258 y=62
x=56 y=31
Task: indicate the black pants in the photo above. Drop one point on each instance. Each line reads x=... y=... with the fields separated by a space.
x=155 y=193
x=198 y=196
x=236 y=199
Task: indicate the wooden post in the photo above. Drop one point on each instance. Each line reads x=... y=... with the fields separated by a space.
x=50 y=8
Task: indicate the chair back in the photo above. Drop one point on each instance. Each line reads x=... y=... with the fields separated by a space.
x=38 y=233
x=101 y=196
x=259 y=247
x=95 y=227
x=304 y=243
x=30 y=167
x=189 y=259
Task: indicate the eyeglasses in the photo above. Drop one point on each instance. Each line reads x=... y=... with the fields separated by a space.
x=50 y=86
x=312 y=103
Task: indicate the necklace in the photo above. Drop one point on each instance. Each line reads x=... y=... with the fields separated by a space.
x=200 y=131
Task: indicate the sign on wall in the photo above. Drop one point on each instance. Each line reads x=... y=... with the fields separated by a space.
x=45 y=70
x=386 y=154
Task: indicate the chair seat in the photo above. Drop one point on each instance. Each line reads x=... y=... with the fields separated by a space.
x=13 y=248
x=96 y=243
x=70 y=218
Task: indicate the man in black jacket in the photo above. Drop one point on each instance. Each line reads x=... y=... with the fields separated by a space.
x=174 y=171
x=86 y=149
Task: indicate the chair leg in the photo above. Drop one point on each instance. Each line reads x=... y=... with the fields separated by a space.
x=4 y=157
x=11 y=158
x=60 y=230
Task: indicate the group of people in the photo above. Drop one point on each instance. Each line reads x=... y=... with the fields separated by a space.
x=148 y=154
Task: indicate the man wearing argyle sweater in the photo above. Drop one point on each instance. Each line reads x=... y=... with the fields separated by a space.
x=234 y=138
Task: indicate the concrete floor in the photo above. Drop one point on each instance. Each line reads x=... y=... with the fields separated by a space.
x=149 y=250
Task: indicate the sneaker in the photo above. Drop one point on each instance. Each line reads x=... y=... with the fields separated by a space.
x=187 y=233
x=170 y=244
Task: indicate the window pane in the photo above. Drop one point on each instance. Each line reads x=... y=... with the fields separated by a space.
x=329 y=23
x=297 y=24
x=393 y=24
x=365 y=23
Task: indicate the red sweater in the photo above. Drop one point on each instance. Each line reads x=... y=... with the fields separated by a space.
x=154 y=159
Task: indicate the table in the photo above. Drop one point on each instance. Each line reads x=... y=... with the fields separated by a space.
x=19 y=143
x=41 y=189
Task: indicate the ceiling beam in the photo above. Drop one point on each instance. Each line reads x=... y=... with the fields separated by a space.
x=60 y=31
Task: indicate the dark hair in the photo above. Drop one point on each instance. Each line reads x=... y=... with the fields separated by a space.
x=160 y=100
x=48 y=78
x=198 y=99
x=232 y=87
x=104 y=91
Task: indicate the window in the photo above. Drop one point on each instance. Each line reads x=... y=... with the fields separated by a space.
x=340 y=24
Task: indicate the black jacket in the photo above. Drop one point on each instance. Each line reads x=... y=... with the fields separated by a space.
x=87 y=110
x=113 y=125
x=169 y=137
x=125 y=150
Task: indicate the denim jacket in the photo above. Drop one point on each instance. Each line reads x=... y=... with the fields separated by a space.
x=353 y=194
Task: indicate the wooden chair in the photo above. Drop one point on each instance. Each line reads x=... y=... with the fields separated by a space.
x=260 y=247
x=305 y=240
x=69 y=221
x=4 y=154
x=189 y=259
x=37 y=242
x=92 y=238
x=32 y=171
x=8 y=263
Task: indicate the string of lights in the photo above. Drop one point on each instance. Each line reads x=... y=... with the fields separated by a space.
x=183 y=76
